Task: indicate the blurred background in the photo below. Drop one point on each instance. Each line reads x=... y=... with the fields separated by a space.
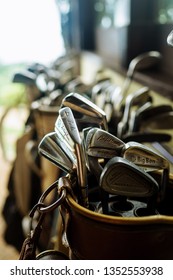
x=97 y=32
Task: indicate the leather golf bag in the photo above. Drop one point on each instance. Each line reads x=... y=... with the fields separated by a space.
x=87 y=234
x=92 y=235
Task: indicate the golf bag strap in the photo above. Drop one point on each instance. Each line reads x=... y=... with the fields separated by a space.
x=28 y=250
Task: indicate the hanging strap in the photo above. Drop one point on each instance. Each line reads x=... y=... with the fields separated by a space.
x=28 y=251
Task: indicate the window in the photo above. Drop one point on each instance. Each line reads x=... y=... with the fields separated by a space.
x=30 y=30
x=164 y=11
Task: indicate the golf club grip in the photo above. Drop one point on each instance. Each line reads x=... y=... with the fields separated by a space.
x=147 y=137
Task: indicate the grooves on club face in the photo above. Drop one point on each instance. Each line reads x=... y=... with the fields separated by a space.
x=121 y=177
x=100 y=143
x=84 y=110
x=148 y=160
x=62 y=143
x=50 y=150
x=143 y=156
x=71 y=127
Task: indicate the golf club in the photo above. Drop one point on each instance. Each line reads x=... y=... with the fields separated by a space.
x=170 y=39
x=61 y=142
x=72 y=129
x=147 y=159
x=98 y=88
x=49 y=149
x=159 y=121
x=25 y=77
x=102 y=144
x=136 y=116
x=139 y=97
x=121 y=177
x=84 y=110
x=140 y=62
x=147 y=113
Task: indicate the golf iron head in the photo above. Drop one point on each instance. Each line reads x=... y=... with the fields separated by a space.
x=84 y=110
x=49 y=148
x=121 y=177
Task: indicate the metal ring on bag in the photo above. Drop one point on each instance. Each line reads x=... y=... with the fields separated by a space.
x=59 y=201
x=51 y=255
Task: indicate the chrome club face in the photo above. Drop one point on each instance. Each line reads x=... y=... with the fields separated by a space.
x=73 y=132
x=148 y=160
x=170 y=39
x=84 y=110
x=121 y=177
x=102 y=144
x=136 y=116
x=139 y=97
x=143 y=156
x=49 y=148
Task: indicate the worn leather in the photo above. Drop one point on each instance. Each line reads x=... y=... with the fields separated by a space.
x=93 y=235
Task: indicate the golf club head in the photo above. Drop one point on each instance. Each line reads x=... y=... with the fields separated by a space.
x=98 y=88
x=121 y=177
x=136 y=116
x=25 y=77
x=102 y=144
x=62 y=132
x=144 y=61
x=160 y=121
x=170 y=39
x=109 y=98
x=140 y=62
x=68 y=119
x=149 y=160
x=49 y=149
x=143 y=156
x=137 y=98
x=84 y=110
x=61 y=142
x=149 y=113
x=84 y=135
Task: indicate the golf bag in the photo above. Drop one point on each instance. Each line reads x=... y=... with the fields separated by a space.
x=20 y=186
x=85 y=234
